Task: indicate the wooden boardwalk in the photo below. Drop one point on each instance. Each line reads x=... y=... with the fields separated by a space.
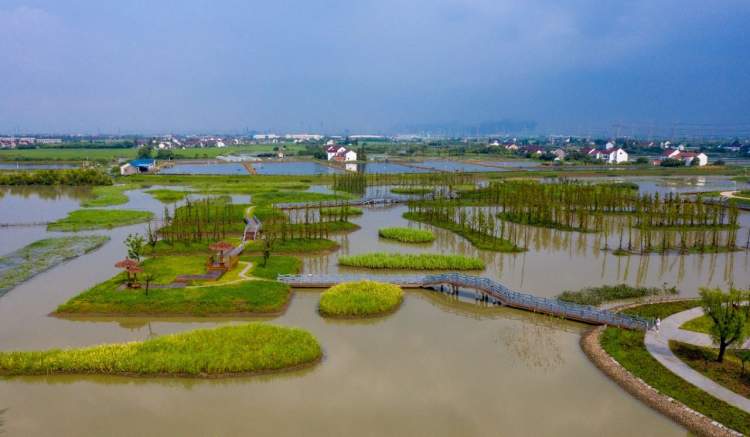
x=491 y=291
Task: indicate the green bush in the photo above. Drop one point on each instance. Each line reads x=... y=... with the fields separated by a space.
x=424 y=261
x=407 y=235
x=225 y=351
x=608 y=293
x=362 y=298
x=86 y=176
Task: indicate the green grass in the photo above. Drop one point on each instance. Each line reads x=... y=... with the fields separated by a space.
x=728 y=373
x=662 y=310
x=407 y=235
x=608 y=293
x=86 y=219
x=337 y=211
x=411 y=190
x=478 y=240
x=422 y=261
x=18 y=266
x=248 y=297
x=359 y=299
x=164 y=195
x=296 y=245
x=276 y=265
x=108 y=195
x=225 y=351
x=110 y=154
x=162 y=247
x=703 y=324
x=628 y=349
x=166 y=268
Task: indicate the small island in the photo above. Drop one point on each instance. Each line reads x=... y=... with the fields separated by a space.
x=407 y=235
x=247 y=349
x=360 y=299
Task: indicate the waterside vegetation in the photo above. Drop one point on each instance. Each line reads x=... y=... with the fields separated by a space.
x=407 y=235
x=226 y=351
x=88 y=219
x=360 y=299
x=422 y=261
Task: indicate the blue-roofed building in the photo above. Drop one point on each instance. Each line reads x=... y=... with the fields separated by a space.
x=138 y=166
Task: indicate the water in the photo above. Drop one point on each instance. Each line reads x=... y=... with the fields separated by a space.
x=293 y=168
x=458 y=166
x=389 y=167
x=206 y=169
x=438 y=366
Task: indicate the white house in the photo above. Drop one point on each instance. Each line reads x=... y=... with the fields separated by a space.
x=616 y=156
x=340 y=153
x=610 y=145
x=127 y=169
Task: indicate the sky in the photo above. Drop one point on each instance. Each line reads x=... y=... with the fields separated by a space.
x=371 y=66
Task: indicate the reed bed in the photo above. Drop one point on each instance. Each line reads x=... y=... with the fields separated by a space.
x=360 y=299
x=407 y=235
x=422 y=261
x=609 y=293
x=230 y=350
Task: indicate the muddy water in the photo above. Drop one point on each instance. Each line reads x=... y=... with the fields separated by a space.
x=435 y=367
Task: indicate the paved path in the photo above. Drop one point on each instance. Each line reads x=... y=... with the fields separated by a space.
x=657 y=344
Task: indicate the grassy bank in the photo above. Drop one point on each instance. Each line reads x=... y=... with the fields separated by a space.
x=628 y=349
x=17 y=267
x=703 y=324
x=108 y=195
x=248 y=297
x=728 y=374
x=477 y=239
x=276 y=265
x=164 y=195
x=360 y=299
x=407 y=235
x=423 y=261
x=225 y=351
x=609 y=293
x=86 y=219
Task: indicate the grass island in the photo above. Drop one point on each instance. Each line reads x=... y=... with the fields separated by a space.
x=360 y=299
x=422 y=261
x=407 y=235
x=89 y=219
x=247 y=349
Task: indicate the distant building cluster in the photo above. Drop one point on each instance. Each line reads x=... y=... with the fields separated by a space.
x=13 y=142
x=340 y=153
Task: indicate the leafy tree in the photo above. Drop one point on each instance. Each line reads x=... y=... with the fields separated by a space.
x=729 y=317
x=144 y=152
x=641 y=160
x=135 y=243
x=164 y=154
x=744 y=356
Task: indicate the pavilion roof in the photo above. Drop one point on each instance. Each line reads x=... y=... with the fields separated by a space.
x=221 y=246
x=126 y=263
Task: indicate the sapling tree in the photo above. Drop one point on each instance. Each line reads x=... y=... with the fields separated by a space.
x=134 y=243
x=744 y=356
x=727 y=312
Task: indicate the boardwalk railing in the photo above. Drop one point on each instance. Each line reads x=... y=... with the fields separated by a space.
x=501 y=293
x=367 y=201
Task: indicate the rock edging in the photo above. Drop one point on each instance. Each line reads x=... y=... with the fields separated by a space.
x=672 y=408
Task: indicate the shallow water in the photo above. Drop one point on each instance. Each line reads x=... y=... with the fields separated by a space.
x=206 y=169
x=437 y=366
x=293 y=168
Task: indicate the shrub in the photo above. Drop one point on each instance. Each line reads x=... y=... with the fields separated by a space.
x=607 y=293
x=363 y=298
x=407 y=235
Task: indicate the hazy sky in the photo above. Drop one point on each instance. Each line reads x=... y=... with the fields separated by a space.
x=369 y=65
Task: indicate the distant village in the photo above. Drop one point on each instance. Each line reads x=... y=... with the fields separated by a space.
x=346 y=149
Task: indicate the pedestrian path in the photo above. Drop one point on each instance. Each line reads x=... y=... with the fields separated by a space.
x=657 y=344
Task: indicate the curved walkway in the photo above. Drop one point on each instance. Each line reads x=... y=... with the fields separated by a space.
x=657 y=344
